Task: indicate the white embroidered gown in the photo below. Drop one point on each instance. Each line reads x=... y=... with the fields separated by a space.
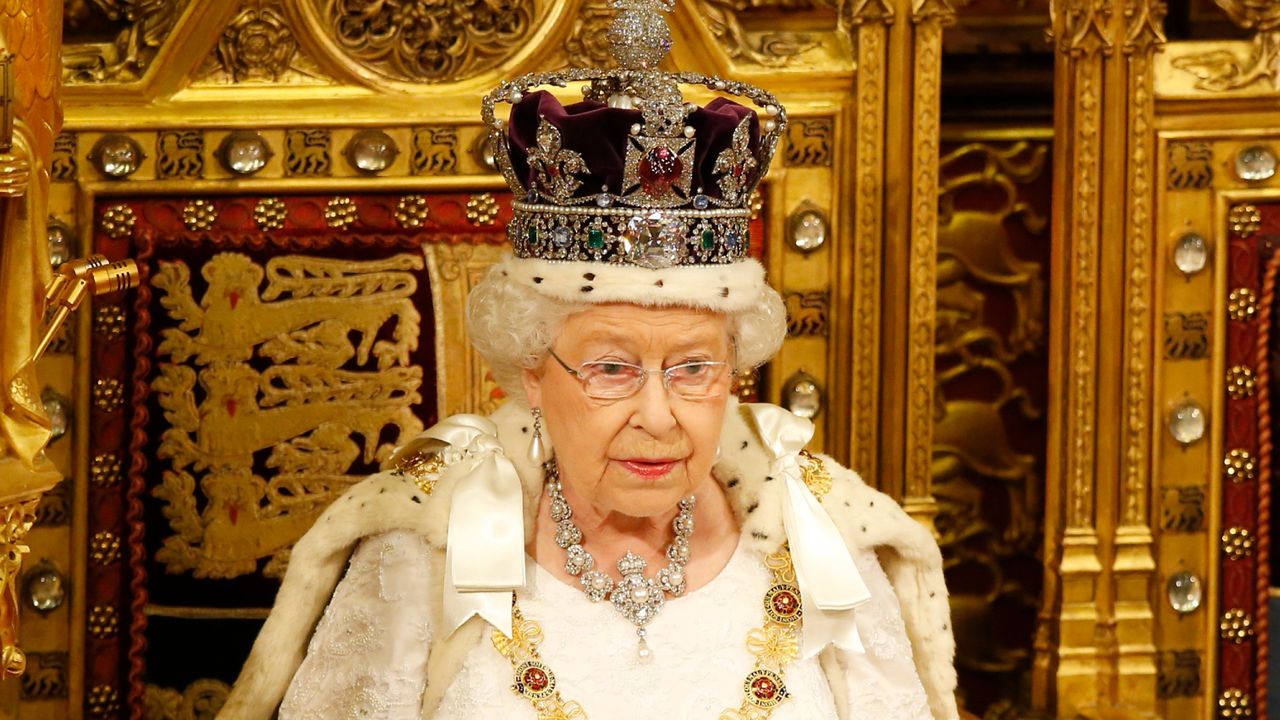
x=367 y=658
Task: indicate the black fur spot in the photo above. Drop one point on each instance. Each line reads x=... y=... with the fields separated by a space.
x=759 y=535
x=524 y=429
x=768 y=478
x=417 y=499
x=537 y=281
x=732 y=483
x=658 y=284
x=364 y=505
x=871 y=504
x=932 y=594
x=864 y=528
x=588 y=276
x=504 y=273
x=846 y=504
x=724 y=292
x=587 y=288
x=382 y=491
x=745 y=443
x=753 y=507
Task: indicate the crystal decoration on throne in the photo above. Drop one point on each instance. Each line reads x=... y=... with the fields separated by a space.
x=633 y=174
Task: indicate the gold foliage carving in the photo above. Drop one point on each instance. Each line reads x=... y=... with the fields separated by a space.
x=774 y=48
x=201 y=700
x=1222 y=69
x=16 y=518
x=588 y=43
x=314 y=418
x=867 y=24
x=127 y=57
x=412 y=41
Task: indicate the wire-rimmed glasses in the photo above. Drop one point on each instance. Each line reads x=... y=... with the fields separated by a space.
x=615 y=379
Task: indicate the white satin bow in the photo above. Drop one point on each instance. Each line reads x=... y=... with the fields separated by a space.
x=484 y=558
x=830 y=584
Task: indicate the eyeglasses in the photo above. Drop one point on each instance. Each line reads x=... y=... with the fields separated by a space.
x=615 y=380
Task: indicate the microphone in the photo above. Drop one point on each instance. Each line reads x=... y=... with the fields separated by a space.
x=74 y=281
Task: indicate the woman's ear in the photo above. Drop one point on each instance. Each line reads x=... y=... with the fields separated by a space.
x=532 y=380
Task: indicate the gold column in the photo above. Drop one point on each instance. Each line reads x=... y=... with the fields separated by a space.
x=868 y=23
x=31 y=32
x=1095 y=646
x=928 y=18
x=910 y=251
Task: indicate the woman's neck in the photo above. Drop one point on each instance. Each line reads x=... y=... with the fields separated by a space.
x=608 y=536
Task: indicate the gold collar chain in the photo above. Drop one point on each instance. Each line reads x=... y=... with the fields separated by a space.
x=774 y=645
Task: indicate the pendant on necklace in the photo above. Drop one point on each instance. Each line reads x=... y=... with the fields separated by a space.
x=642 y=650
x=637 y=597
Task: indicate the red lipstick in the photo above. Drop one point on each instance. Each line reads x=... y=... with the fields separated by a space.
x=649 y=469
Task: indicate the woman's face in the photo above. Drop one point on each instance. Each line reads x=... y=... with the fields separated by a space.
x=635 y=456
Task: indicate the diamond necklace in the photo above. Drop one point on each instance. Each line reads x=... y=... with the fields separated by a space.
x=637 y=597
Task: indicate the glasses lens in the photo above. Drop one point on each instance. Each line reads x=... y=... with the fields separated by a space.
x=611 y=379
x=695 y=379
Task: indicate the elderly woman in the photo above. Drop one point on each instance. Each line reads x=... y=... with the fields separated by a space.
x=622 y=539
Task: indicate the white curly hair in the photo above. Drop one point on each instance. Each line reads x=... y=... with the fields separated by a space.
x=513 y=326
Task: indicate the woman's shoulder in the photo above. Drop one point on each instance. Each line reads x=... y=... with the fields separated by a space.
x=868 y=517
x=413 y=491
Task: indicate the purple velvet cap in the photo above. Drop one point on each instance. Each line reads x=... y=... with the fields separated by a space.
x=599 y=134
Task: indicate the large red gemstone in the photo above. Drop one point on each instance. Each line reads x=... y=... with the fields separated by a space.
x=764 y=688
x=785 y=603
x=659 y=169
